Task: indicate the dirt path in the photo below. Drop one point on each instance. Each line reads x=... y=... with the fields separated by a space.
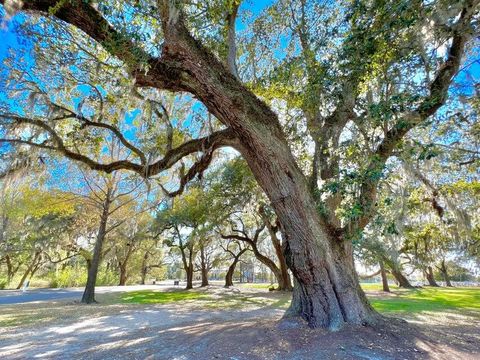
x=184 y=331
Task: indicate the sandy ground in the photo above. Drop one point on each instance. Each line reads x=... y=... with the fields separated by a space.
x=186 y=331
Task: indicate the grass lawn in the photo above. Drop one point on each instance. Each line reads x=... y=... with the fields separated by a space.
x=400 y=300
x=429 y=299
x=162 y=297
x=214 y=298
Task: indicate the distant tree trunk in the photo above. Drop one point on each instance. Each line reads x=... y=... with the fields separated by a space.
x=429 y=276
x=31 y=269
x=383 y=273
x=189 y=271
x=444 y=271
x=122 y=265
x=203 y=267
x=11 y=270
x=89 y=293
x=187 y=263
x=271 y=265
x=144 y=268
x=284 y=281
x=401 y=279
x=231 y=268
x=123 y=275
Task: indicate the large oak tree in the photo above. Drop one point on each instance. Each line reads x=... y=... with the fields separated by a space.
x=183 y=57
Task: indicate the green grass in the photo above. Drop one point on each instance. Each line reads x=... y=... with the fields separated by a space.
x=375 y=286
x=400 y=300
x=205 y=300
x=162 y=297
x=429 y=299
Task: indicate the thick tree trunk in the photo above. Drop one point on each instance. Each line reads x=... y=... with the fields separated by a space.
x=401 y=279
x=383 y=274
x=286 y=283
x=342 y=300
x=89 y=292
x=430 y=277
x=444 y=271
x=203 y=267
x=326 y=292
x=123 y=265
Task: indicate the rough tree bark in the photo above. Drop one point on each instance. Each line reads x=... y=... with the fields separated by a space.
x=88 y=296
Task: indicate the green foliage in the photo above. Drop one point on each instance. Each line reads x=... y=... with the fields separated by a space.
x=3 y=283
x=456 y=272
x=77 y=277
x=107 y=277
x=68 y=277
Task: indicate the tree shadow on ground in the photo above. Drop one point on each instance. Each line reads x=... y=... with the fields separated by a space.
x=207 y=336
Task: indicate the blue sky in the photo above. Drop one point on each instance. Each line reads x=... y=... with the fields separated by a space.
x=9 y=39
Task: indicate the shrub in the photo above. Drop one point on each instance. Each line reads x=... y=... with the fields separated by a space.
x=68 y=277
x=107 y=277
x=3 y=283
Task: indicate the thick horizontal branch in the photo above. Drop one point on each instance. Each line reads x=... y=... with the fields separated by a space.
x=84 y=16
x=205 y=145
x=217 y=139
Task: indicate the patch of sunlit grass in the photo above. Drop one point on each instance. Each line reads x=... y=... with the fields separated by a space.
x=430 y=299
x=162 y=297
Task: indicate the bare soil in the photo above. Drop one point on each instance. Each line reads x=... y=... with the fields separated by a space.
x=66 y=330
